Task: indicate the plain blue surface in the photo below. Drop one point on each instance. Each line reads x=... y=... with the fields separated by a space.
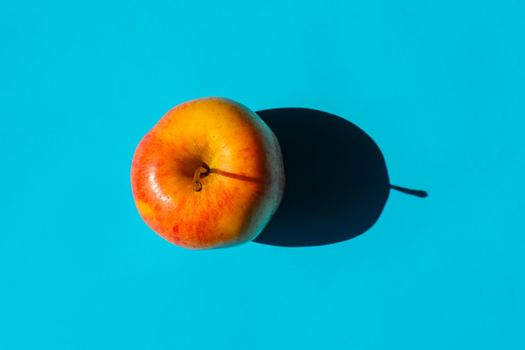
x=439 y=85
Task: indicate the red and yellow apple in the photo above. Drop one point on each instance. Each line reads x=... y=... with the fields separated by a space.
x=208 y=174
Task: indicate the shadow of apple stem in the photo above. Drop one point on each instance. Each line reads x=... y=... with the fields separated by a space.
x=417 y=193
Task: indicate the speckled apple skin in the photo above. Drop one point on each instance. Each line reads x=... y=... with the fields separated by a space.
x=237 y=199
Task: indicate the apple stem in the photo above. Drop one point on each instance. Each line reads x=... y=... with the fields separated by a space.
x=417 y=193
x=204 y=169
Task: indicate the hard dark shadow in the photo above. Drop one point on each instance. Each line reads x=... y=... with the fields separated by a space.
x=336 y=179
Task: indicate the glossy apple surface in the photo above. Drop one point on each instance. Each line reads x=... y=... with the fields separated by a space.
x=208 y=174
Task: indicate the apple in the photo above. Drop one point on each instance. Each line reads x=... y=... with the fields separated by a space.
x=209 y=174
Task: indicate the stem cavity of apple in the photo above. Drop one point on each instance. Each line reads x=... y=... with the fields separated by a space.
x=202 y=171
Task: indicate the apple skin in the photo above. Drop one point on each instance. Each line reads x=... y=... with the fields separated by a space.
x=239 y=192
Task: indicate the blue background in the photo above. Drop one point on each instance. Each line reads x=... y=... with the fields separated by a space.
x=439 y=85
